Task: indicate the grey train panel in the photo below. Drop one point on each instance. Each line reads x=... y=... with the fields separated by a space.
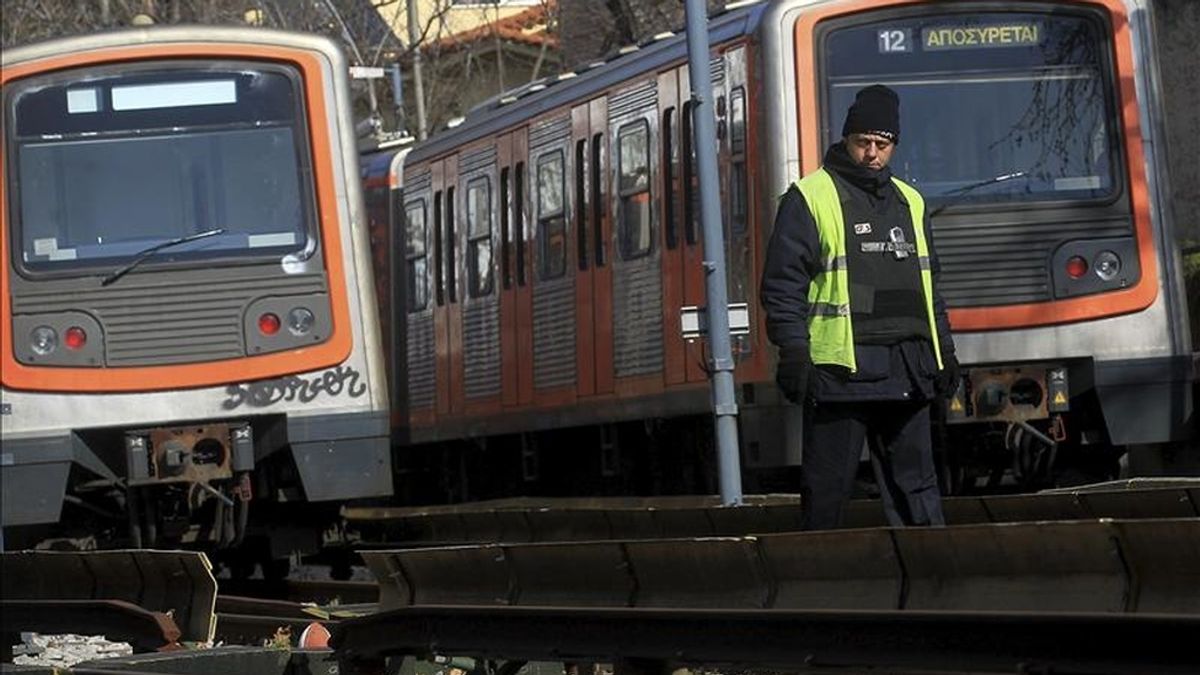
x=481 y=344
x=637 y=99
x=173 y=322
x=554 y=333
x=716 y=68
x=637 y=320
x=1010 y=262
x=480 y=159
x=420 y=356
x=549 y=132
x=418 y=183
x=492 y=117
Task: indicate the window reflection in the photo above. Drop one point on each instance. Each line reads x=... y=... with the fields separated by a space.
x=552 y=221
x=633 y=161
x=479 y=235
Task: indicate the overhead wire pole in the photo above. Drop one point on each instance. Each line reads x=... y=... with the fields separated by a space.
x=414 y=39
x=717 y=310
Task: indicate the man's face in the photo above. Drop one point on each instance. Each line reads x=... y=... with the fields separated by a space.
x=870 y=150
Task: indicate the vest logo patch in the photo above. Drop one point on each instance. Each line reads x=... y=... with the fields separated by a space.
x=862 y=228
x=901 y=249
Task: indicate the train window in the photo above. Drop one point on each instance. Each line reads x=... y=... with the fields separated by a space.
x=519 y=221
x=98 y=173
x=505 y=234
x=633 y=169
x=598 y=200
x=737 y=166
x=669 y=172
x=552 y=216
x=451 y=246
x=414 y=253
x=479 y=236
x=581 y=211
x=1006 y=106
x=691 y=198
x=439 y=287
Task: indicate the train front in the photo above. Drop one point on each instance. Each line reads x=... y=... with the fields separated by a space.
x=1034 y=131
x=187 y=312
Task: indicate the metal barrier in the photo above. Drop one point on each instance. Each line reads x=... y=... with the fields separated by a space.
x=1150 y=566
x=176 y=583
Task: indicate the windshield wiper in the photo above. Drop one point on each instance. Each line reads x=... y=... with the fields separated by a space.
x=959 y=192
x=144 y=254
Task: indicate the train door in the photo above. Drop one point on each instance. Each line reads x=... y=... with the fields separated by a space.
x=420 y=373
x=740 y=229
x=516 y=337
x=593 y=285
x=690 y=230
x=447 y=314
x=553 y=263
x=478 y=295
x=637 y=289
x=674 y=347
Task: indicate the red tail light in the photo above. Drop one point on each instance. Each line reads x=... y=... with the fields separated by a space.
x=75 y=338
x=1076 y=267
x=268 y=324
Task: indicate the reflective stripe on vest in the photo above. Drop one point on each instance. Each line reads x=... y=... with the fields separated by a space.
x=830 y=331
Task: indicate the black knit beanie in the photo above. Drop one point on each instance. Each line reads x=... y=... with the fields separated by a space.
x=876 y=110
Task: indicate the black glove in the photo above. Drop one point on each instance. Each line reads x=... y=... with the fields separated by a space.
x=792 y=374
x=948 y=377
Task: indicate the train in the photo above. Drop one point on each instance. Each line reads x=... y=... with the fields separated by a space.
x=188 y=318
x=212 y=300
x=545 y=250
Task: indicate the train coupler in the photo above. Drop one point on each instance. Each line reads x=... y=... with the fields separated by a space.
x=197 y=453
x=1010 y=394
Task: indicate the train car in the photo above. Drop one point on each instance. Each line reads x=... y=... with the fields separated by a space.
x=188 y=327
x=381 y=167
x=553 y=242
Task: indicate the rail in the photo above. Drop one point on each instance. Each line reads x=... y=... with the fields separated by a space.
x=1129 y=566
x=588 y=519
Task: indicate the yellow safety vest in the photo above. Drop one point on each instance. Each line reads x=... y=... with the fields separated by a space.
x=831 y=334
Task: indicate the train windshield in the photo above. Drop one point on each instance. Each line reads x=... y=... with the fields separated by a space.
x=995 y=107
x=108 y=165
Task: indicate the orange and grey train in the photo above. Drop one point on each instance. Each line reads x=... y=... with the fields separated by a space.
x=188 y=321
x=551 y=244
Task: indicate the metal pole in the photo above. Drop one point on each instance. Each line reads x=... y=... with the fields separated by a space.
x=414 y=38
x=704 y=126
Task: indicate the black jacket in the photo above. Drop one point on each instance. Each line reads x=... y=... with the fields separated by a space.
x=898 y=371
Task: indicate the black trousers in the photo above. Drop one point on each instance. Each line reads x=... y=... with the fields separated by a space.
x=898 y=435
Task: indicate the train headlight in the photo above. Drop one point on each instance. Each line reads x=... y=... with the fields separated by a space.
x=43 y=340
x=1107 y=265
x=300 y=321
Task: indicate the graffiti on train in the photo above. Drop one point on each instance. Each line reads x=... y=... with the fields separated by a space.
x=333 y=383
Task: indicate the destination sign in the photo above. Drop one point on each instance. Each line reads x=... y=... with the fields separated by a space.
x=981 y=37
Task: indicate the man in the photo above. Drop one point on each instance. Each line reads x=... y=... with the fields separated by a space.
x=849 y=288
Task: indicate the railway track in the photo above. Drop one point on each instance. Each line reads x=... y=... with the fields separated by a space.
x=590 y=519
x=1066 y=584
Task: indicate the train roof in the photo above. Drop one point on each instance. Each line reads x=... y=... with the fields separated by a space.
x=531 y=99
x=126 y=37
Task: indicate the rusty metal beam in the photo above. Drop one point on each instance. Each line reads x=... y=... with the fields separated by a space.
x=176 y=582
